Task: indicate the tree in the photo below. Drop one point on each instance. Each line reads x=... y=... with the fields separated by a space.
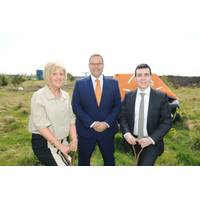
x=70 y=77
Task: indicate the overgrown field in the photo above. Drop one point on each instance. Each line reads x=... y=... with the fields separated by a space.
x=182 y=142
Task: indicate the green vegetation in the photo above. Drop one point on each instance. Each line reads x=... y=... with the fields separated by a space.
x=3 y=80
x=13 y=79
x=70 y=77
x=182 y=143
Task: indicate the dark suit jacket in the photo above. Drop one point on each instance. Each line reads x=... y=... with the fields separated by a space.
x=87 y=111
x=158 y=119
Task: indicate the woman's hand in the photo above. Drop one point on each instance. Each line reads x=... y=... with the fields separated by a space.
x=64 y=149
x=73 y=145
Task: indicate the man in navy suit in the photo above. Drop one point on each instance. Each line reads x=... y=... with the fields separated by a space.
x=96 y=103
x=145 y=117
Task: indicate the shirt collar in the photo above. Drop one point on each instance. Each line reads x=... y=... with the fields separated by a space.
x=50 y=95
x=146 y=91
x=94 y=78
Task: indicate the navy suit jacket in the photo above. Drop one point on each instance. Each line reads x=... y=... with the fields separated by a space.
x=87 y=111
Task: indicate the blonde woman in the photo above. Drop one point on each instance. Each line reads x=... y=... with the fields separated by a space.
x=52 y=119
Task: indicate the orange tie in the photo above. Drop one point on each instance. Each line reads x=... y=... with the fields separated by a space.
x=98 y=91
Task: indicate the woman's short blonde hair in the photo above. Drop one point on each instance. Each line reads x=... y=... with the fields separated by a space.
x=50 y=68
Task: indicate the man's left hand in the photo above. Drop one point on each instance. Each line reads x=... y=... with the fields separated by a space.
x=144 y=142
x=102 y=126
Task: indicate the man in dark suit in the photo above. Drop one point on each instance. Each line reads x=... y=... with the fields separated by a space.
x=145 y=117
x=96 y=104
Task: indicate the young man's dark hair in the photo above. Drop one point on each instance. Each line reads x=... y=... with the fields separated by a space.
x=142 y=66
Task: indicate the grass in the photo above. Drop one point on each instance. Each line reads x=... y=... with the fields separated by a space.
x=182 y=143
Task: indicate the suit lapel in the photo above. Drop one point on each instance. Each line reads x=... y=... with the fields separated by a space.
x=104 y=91
x=151 y=101
x=132 y=106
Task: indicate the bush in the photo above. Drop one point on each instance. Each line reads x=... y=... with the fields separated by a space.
x=186 y=158
x=70 y=77
x=3 y=80
x=17 y=79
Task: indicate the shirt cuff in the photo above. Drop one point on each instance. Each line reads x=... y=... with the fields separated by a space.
x=91 y=126
x=107 y=124
x=152 y=141
x=126 y=134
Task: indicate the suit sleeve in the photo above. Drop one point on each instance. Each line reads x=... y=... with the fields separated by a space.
x=165 y=121
x=114 y=115
x=78 y=110
x=123 y=116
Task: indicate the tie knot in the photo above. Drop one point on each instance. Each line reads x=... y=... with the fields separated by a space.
x=142 y=94
x=97 y=81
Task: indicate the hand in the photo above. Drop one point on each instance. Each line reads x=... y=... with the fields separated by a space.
x=96 y=125
x=144 y=142
x=100 y=126
x=73 y=145
x=64 y=149
x=130 y=139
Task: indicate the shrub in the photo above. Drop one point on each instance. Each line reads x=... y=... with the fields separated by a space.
x=70 y=77
x=17 y=79
x=187 y=159
x=3 y=80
